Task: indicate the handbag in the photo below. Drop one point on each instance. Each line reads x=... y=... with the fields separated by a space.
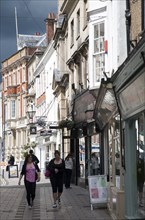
x=47 y=173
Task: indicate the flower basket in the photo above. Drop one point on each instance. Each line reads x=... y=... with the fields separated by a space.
x=69 y=124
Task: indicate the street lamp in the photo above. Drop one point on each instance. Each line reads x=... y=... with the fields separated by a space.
x=31 y=112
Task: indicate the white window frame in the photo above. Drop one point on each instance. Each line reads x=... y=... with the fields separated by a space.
x=13 y=108
x=99 y=53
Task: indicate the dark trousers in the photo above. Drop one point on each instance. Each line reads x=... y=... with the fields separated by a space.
x=57 y=183
x=30 y=189
x=68 y=173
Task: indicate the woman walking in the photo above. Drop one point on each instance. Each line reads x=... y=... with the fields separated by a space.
x=31 y=173
x=68 y=170
x=56 y=167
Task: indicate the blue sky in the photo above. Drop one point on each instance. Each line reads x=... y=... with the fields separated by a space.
x=31 y=15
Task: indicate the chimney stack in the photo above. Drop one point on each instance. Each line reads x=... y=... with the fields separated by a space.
x=50 y=20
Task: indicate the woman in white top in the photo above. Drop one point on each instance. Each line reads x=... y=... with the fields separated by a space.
x=68 y=170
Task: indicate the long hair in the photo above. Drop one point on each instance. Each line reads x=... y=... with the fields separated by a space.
x=26 y=158
x=68 y=156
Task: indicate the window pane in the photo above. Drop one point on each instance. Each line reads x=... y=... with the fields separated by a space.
x=96 y=31
x=13 y=108
x=102 y=30
x=99 y=63
x=101 y=44
x=96 y=46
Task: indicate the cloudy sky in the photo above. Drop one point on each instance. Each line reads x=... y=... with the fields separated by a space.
x=31 y=15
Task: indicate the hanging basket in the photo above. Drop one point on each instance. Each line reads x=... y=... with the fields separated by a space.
x=69 y=124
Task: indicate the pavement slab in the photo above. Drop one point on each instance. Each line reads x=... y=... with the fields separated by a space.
x=75 y=205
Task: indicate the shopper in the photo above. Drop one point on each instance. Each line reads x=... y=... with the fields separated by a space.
x=140 y=178
x=31 y=173
x=56 y=167
x=11 y=160
x=68 y=170
x=35 y=159
x=95 y=163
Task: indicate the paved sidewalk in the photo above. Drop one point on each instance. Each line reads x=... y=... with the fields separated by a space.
x=75 y=204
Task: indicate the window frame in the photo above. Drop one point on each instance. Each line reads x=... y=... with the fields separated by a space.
x=13 y=108
x=100 y=53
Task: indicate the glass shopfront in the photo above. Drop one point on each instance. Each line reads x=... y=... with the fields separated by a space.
x=92 y=162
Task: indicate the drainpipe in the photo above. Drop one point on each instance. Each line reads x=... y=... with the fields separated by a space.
x=128 y=23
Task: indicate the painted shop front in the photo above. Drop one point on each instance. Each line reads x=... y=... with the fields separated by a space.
x=108 y=123
x=129 y=86
x=84 y=141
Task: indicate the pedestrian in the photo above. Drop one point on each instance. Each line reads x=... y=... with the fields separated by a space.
x=140 y=178
x=11 y=160
x=117 y=163
x=56 y=167
x=8 y=163
x=95 y=164
x=68 y=170
x=31 y=173
x=35 y=159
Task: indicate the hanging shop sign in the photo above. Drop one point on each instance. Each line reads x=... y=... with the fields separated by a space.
x=83 y=107
x=98 y=189
x=105 y=106
x=33 y=129
x=132 y=98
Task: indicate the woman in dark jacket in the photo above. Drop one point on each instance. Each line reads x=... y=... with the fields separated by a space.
x=56 y=167
x=31 y=173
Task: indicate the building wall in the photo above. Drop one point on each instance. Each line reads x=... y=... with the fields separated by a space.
x=14 y=79
x=136 y=19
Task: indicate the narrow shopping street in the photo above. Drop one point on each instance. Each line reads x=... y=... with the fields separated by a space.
x=75 y=204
